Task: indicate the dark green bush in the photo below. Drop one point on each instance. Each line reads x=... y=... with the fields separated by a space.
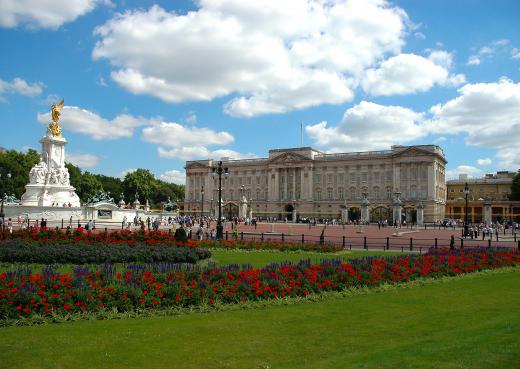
x=81 y=253
x=180 y=235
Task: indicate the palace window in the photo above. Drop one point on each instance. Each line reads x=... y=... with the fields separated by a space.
x=352 y=193
x=376 y=177
x=340 y=193
x=353 y=178
x=388 y=193
x=364 y=177
x=329 y=193
x=318 y=194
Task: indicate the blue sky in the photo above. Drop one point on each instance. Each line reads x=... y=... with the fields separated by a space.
x=152 y=84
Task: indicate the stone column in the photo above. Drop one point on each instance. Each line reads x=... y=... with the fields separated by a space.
x=420 y=214
x=285 y=187
x=294 y=184
x=294 y=214
x=397 y=209
x=344 y=212
x=487 y=212
x=365 y=215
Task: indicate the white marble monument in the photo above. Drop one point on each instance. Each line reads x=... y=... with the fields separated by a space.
x=49 y=182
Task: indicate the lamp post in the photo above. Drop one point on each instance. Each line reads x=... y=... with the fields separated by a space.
x=219 y=170
x=211 y=210
x=2 y=193
x=202 y=203
x=466 y=193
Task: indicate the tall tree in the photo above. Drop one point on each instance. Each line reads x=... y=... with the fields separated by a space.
x=140 y=181
x=515 y=188
x=18 y=165
x=88 y=187
x=111 y=185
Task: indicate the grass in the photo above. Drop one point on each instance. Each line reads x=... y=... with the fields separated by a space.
x=261 y=258
x=470 y=321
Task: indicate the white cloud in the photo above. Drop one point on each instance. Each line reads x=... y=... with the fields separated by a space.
x=273 y=56
x=191 y=118
x=173 y=176
x=101 y=82
x=487 y=51
x=21 y=87
x=79 y=120
x=515 y=53
x=43 y=14
x=489 y=113
x=176 y=135
x=420 y=35
x=368 y=126
x=473 y=60
x=484 y=162
x=82 y=160
x=462 y=169
x=410 y=73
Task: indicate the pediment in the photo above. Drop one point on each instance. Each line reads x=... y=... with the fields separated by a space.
x=195 y=165
x=288 y=158
x=414 y=151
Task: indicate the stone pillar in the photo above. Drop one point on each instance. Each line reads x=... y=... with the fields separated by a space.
x=294 y=214
x=242 y=209
x=397 y=209
x=344 y=212
x=420 y=214
x=365 y=215
x=285 y=187
x=293 y=184
x=487 y=212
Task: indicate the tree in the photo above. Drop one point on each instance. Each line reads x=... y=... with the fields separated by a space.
x=515 y=188
x=111 y=185
x=140 y=181
x=18 y=164
x=88 y=186
x=74 y=175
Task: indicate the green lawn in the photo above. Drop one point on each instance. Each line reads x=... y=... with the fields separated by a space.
x=468 y=322
x=261 y=258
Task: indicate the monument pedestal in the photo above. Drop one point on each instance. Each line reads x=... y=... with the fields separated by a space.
x=49 y=182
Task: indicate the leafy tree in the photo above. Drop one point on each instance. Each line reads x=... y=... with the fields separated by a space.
x=89 y=186
x=111 y=185
x=74 y=175
x=18 y=164
x=515 y=188
x=140 y=181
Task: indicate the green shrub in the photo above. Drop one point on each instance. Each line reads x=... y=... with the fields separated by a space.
x=80 y=253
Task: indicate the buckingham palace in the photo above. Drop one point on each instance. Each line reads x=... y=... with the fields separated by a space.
x=299 y=183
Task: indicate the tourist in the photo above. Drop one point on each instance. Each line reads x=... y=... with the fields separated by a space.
x=10 y=225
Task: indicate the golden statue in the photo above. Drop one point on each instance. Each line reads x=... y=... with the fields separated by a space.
x=54 y=126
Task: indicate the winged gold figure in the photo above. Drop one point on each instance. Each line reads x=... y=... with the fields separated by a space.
x=54 y=126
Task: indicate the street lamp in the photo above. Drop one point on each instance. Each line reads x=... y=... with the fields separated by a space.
x=211 y=210
x=219 y=170
x=202 y=203
x=4 y=188
x=466 y=193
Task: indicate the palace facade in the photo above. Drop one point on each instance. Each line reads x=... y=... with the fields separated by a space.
x=303 y=182
x=492 y=189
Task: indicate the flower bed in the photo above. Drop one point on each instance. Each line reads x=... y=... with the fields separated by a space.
x=98 y=253
x=125 y=237
x=23 y=294
x=58 y=236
